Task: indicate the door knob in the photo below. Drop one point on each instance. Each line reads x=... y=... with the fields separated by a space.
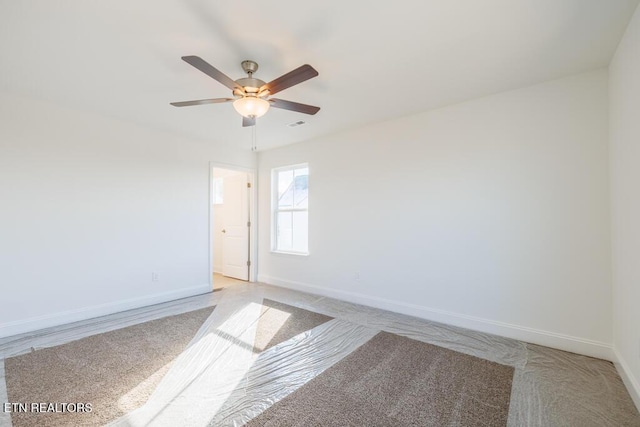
x=224 y=231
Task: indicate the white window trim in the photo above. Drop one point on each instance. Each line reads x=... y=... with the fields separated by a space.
x=275 y=210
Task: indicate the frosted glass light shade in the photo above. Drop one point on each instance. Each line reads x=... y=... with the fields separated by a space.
x=250 y=106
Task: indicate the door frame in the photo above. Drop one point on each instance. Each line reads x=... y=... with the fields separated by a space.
x=253 y=215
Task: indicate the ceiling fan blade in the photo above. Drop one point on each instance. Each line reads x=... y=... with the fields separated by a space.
x=211 y=71
x=293 y=106
x=201 y=102
x=248 y=121
x=292 y=78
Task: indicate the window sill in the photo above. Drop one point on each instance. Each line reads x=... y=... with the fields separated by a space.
x=303 y=254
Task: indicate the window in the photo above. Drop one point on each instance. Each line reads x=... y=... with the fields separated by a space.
x=218 y=191
x=290 y=202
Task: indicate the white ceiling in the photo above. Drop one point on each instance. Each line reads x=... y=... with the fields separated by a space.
x=377 y=60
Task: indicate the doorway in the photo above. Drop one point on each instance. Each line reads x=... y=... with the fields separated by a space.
x=232 y=233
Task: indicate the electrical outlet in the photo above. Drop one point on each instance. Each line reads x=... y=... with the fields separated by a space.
x=155 y=276
x=356 y=277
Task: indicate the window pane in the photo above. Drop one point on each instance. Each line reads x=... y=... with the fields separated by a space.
x=218 y=191
x=291 y=193
x=285 y=189
x=301 y=188
x=284 y=230
x=300 y=238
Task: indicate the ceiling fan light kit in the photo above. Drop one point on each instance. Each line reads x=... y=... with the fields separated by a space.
x=250 y=95
x=251 y=106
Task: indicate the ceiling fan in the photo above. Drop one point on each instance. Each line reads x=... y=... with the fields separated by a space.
x=251 y=96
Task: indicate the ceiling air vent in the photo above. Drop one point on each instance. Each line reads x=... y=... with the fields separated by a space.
x=296 y=124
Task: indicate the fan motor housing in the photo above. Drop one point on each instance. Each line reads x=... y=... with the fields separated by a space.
x=250 y=84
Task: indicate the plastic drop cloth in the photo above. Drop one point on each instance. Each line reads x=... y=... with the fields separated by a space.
x=220 y=381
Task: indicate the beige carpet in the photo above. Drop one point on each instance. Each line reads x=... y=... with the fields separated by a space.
x=115 y=371
x=396 y=381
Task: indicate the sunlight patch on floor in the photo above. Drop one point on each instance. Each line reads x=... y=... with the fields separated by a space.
x=131 y=400
x=207 y=372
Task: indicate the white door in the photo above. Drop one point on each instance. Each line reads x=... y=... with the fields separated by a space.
x=235 y=240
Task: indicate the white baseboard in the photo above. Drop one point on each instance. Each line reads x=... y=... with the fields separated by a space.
x=70 y=316
x=569 y=343
x=627 y=377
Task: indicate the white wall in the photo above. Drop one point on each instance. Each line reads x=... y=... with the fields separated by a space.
x=90 y=207
x=490 y=214
x=624 y=83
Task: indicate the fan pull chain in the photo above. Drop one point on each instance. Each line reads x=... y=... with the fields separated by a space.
x=254 y=146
